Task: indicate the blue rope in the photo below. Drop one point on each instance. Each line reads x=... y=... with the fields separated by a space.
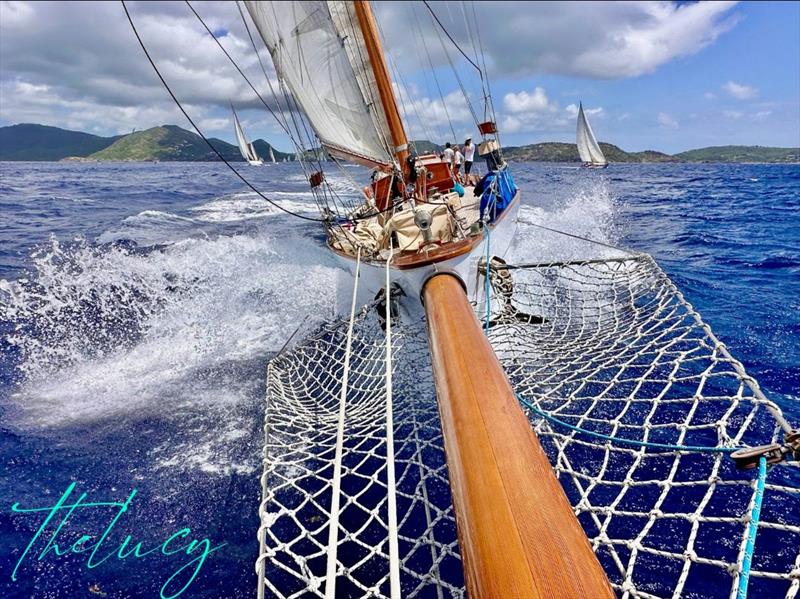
x=755 y=515
x=486 y=287
x=622 y=440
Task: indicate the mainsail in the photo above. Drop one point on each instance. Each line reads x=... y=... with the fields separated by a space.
x=319 y=53
x=271 y=155
x=245 y=147
x=588 y=148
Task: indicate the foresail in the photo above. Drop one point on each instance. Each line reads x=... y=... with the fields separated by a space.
x=312 y=46
x=588 y=147
x=271 y=155
x=244 y=147
x=253 y=154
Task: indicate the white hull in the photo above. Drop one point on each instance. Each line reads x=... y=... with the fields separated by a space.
x=373 y=275
x=255 y=162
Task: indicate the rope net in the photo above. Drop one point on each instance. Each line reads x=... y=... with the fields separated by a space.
x=616 y=372
x=635 y=401
x=304 y=387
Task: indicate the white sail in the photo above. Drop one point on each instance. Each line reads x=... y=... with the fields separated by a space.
x=319 y=54
x=246 y=148
x=271 y=155
x=588 y=147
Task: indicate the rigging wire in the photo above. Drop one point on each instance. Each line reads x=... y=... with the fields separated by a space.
x=433 y=72
x=200 y=133
x=455 y=43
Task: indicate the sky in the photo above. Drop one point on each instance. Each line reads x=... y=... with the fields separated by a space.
x=651 y=75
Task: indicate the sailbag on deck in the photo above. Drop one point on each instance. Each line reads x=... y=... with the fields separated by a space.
x=588 y=148
x=318 y=51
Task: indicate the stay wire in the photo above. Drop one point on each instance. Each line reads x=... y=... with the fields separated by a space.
x=200 y=133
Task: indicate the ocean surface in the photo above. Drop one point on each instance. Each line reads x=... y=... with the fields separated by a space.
x=140 y=303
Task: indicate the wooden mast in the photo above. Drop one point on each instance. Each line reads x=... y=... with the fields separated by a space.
x=369 y=29
x=517 y=532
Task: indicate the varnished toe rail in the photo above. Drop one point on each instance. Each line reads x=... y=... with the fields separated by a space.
x=518 y=534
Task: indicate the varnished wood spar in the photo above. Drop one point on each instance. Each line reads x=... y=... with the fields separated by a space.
x=369 y=29
x=517 y=532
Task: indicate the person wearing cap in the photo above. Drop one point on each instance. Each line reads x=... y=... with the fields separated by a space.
x=469 y=156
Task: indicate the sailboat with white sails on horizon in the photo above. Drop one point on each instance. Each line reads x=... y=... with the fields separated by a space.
x=588 y=148
x=245 y=147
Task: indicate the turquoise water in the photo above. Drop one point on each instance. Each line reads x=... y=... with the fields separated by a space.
x=140 y=303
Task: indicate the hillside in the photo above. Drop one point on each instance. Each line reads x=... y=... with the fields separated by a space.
x=741 y=154
x=566 y=152
x=172 y=143
x=262 y=149
x=40 y=142
x=166 y=143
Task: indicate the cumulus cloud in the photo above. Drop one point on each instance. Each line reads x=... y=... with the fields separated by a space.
x=534 y=111
x=78 y=65
x=740 y=91
x=526 y=102
x=601 y=40
x=666 y=121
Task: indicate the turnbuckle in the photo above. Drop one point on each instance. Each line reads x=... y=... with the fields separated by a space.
x=748 y=458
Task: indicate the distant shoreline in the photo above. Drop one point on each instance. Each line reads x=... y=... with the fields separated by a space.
x=170 y=143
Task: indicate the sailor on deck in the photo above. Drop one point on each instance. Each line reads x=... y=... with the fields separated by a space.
x=469 y=156
x=448 y=154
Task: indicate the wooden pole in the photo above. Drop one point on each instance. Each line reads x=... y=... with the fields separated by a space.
x=518 y=534
x=369 y=29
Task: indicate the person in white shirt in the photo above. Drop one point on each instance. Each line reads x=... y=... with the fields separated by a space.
x=458 y=160
x=469 y=156
x=449 y=154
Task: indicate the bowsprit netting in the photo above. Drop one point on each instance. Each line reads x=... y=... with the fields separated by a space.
x=638 y=406
x=302 y=416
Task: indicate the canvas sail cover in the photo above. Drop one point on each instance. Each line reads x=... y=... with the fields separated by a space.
x=247 y=150
x=318 y=51
x=588 y=148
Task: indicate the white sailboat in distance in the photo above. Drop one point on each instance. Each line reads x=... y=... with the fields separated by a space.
x=272 y=156
x=246 y=148
x=588 y=148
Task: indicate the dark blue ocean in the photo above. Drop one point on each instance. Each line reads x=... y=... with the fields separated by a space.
x=140 y=303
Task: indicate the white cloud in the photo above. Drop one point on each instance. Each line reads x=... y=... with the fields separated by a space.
x=762 y=115
x=78 y=65
x=572 y=111
x=732 y=114
x=525 y=102
x=710 y=96
x=587 y=39
x=667 y=121
x=535 y=111
x=740 y=91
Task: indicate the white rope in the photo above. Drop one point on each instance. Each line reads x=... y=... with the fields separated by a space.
x=333 y=530
x=394 y=560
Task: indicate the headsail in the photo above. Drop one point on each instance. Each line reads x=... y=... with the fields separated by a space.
x=245 y=147
x=588 y=147
x=271 y=155
x=318 y=53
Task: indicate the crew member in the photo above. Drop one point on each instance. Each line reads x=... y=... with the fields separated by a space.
x=469 y=157
x=458 y=159
x=449 y=154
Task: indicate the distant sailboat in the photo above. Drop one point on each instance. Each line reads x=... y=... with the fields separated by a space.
x=271 y=156
x=588 y=148
x=246 y=148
